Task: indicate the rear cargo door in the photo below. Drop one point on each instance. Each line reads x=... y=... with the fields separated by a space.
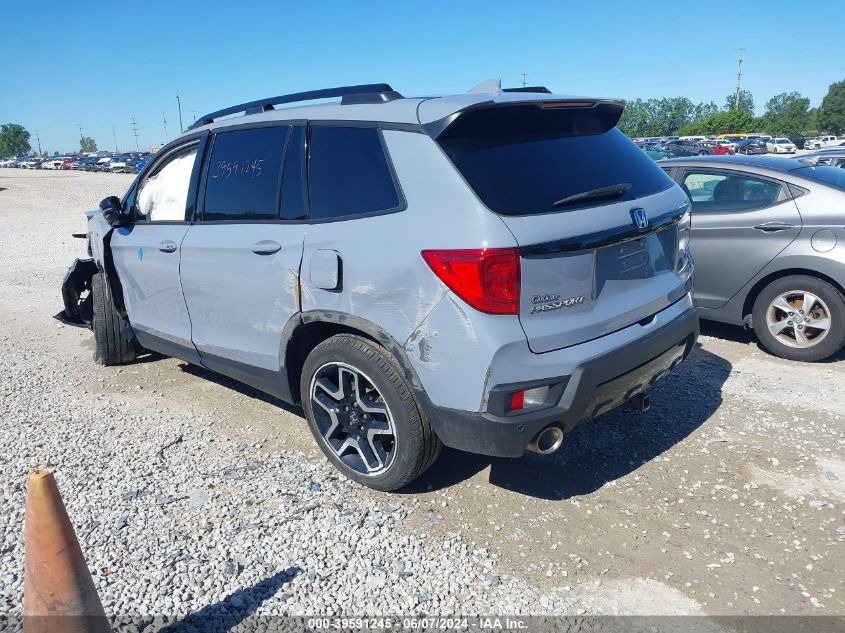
x=595 y=218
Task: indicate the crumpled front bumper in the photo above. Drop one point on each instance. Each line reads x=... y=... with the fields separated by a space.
x=76 y=294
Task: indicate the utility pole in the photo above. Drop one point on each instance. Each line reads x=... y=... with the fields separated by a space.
x=114 y=135
x=524 y=79
x=164 y=119
x=738 y=78
x=194 y=113
x=80 y=132
x=38 y=139
x=179 y=107
x=135 y=134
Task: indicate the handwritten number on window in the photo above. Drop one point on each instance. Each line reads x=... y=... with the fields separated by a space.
x=226 y=169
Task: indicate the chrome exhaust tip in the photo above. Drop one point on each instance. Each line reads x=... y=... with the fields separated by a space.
x=640 y=402
x=547 y=441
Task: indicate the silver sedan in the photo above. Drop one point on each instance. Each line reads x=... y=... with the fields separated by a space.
x=768 y=239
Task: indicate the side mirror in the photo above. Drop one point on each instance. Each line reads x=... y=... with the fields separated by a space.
x=112 y=211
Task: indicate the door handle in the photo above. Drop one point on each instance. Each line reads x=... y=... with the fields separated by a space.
x=773 y=227
x=266 y=247
x=167 y=246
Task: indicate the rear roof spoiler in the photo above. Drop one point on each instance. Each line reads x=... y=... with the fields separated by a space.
x=607 y=111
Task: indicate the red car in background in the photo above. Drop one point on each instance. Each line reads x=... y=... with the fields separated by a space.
x=720 y=149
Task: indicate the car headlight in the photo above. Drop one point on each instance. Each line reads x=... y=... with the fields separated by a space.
x=684 y=259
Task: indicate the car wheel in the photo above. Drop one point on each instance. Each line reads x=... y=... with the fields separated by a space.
x=702 y=153
x=364 y=415
x=114 y=341
x=800 y=318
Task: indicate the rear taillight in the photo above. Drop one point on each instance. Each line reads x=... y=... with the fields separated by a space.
x=486 y=278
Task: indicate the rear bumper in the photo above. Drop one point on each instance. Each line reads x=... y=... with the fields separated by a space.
x=593 y=388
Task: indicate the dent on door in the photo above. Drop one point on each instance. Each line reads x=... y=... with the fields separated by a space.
x=325 y=270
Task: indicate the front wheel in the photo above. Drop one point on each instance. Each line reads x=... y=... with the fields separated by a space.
x=114 y=341
x=800 y=318
x=364 y=415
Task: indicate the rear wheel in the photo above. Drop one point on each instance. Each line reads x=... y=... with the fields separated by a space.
x=114 y=342
x=363 y=414
x=800 y=318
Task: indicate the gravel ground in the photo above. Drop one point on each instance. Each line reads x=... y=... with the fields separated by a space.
x=192 y=494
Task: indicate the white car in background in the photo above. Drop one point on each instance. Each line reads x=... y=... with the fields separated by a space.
x=781 y=145
x=53 y=163
x=824 y=141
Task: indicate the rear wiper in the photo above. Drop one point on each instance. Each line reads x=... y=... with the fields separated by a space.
x=611 y=191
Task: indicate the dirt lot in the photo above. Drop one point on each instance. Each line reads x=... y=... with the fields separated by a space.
x=728 y=497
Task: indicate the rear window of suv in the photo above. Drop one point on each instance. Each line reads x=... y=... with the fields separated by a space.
x=521 y=159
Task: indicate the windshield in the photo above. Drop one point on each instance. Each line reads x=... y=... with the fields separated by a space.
x=832 y=176
x=520 y=160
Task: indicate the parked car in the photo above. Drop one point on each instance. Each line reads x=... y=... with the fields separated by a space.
x=525 y=286
x=655 y=152
x=30 y=163
x=7 y=162
x=117 y=164
x=52 y=163
x=720 y=148
x=767 y=239
x=828 y=140
x=142 y=162
x=90 y=163
x=781 y=145
x=751 y=146
x=797 y=140
x=687 y=148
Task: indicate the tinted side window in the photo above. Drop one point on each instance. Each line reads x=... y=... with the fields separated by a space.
x=293 y=191
x=713 y=191
x=163 y=195
x=243 y=174
x=348 y=173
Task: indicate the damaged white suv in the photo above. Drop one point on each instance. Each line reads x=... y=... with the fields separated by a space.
x=483 y=271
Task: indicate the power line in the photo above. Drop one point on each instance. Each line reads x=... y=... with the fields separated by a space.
x=738 y=78
x=135 y=133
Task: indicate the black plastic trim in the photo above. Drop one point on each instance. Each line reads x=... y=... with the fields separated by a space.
x=487 y=433
x=264 y=105
x=166 y=347
x=600 y=239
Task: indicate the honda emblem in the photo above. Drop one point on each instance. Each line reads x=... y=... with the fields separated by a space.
x=640 y=218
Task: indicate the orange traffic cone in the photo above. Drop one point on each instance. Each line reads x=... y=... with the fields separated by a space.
x=59 y=594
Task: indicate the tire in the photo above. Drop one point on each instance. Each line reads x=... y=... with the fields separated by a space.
x=779 y=333
x=330 y=374
x=114 y=341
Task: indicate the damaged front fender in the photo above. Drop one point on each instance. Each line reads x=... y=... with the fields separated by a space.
x=76 y=294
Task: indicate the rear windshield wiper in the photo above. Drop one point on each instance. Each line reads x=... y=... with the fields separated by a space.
x=611 y=191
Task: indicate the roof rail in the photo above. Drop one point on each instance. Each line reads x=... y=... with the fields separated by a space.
x=364 y=93
x=535 y=89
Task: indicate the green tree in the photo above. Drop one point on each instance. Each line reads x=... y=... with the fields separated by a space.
x=87 y=144
x=14 y=140
x=786 y=113
x=727 y=122
x=831 y=114
x=746 y=102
